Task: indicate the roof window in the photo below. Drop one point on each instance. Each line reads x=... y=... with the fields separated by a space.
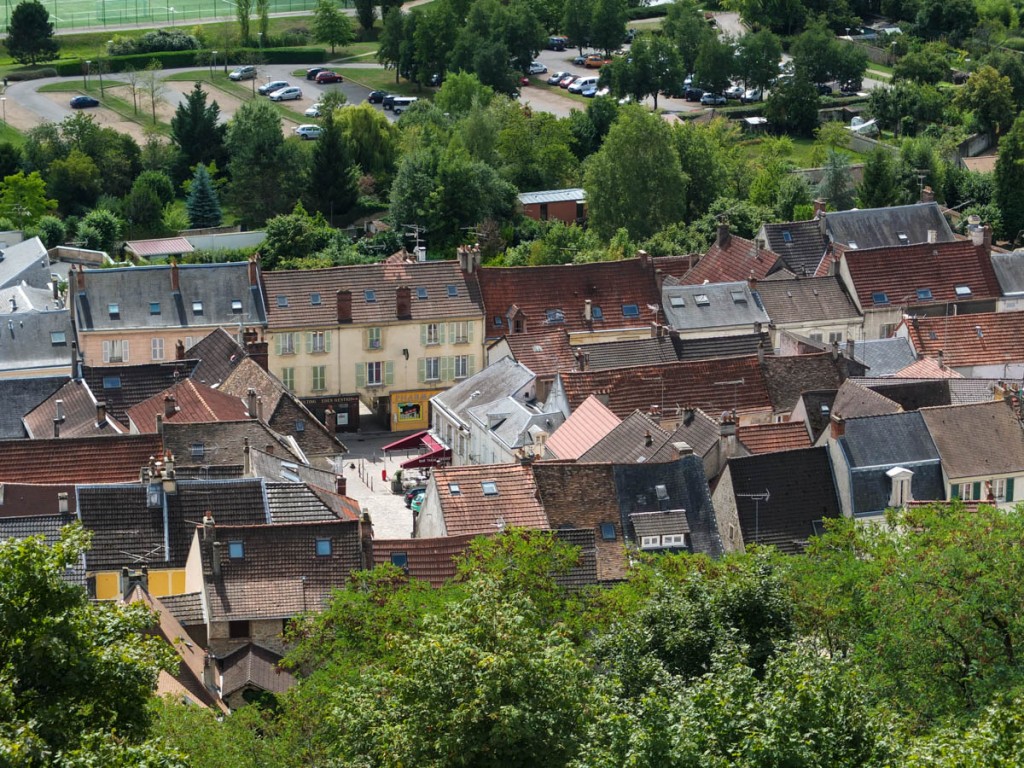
x=608 y=531
x=314 y=299
x=453 y=291
x=497 y=321
x=400 y=560
x=489 y=487
x=555 y=316
x=236 y=306
x=323 y=548
x=282 y=301
x=453 y=489
x=154 y=307
x=853 y=244
x=902 y=237
x=58 y=338
x=630 y=310
x=198 y=450
x=786 y=236
x=738 y=296
x=677 y=301
x=702 y=300
x=370 y=296
x=963 y=292
x=111 y=382
x=924 y=294
x=596 y=313
x=115 y=311
x=421 y=293
x=197 y=307
x=880 y=297
x=236 y=550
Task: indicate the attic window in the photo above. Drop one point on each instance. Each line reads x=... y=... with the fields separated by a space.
x=596 y=313
x=282 y=301
x=453 y=489
x=490 y=488
x=236 y=550
x=650 y=542
x=421 y=294
x=111 y=382
x=880 y=297
x=400 y=560
x=677 y=301
x=453 y=291
x=370 y=296
x=933 y=335
x=853 y=244
x=924 y=294
x=738 y=296
x=902 y=237
x=236 y=306
x=198 y=450
x=314 y=299
x=963 y=291
x=538 y=348
x=630 y=310
x=154 y=307
x=661 y=492
x=300 y=426
x=323 y=548
x=673 y=540
x=702 y=300
x=786 y=236
x=58 y=338
x=115 y=311
x=497 y=321
x=197 y=307
x=555 y=316
x=608 y=531
x=825 y=410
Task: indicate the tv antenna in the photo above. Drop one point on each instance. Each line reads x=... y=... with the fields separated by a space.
x=758 y=498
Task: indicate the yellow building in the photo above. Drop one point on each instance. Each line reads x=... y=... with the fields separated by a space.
x=394 y=333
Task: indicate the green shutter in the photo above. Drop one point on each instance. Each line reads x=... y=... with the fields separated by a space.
x=954 y=491
x=309 y=342
x=447 y=368
x=327 y=341
x=423 y=335
x=277 y=343
x=1009 y=489
x=360 y=374
x=421 y=369
x=389 y=373
x=976 y=491
x=471 y=366
x=441 y=332
x=469 y=330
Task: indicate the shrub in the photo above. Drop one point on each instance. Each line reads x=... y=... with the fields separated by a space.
x=156 y=41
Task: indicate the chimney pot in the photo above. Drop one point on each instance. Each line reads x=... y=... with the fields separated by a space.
x=60 y=411
x=80 y=278
x=331 y=420
x=62 y=502
x=837 y=425
x=819 y=207
x=250 y=402
x=344 y=299
x=215 y=558
x=723 y=235
x=253 y=269
x=588 y=310
x=179 y=350
x=942 y=360
x=927 y=195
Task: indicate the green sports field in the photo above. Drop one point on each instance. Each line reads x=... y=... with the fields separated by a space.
x=78 y=14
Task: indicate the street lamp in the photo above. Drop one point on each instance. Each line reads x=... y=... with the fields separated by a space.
x=213 y=63
x=170 y=10
x=85 y=77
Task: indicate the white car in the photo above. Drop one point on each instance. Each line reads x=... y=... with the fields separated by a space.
x=287 y=94
x=273 y=85
x=536 y=68
x=314 y=111
x=248 y=72
x=751 y=95
x=308 y=131
x=734 y=92
x=581 y=84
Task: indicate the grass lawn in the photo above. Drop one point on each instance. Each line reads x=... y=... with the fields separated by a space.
x=539 y=82
x=802 y=154
x=380 y=79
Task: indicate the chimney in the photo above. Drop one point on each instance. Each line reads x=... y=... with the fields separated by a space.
x=752 y=282
x=80 y=278
x=56 y=427
x=986 y=240
x=160 y=424
x=760 y=352
x=330 y=420
x=179 y=350
x=682 y=449
x=170 y=406
x=835 y=349
x=259 y=408
x=257 y=350
x=246 y=458
x=253 y=270
x=588 y=310
x=210 y=671
x=645 y=258
x=101 y=412
x=838 y=426
x=927 y=196
x=723 y=236
x=727 y=437
x=340 y=485
x=942 y=360
x=819 y=207
x=216 y=559
x=175 y=285
x=209 y=527
x=62 y=502
x=250 y=402
x=469 y=258
x=60 y=411
x=976 y=231
x=659 y=279
x=849 y=348
x=655 y=332
x=403 y=302
x=648 y=439
x=14 y=304
x=933 y=236
x=344 y=298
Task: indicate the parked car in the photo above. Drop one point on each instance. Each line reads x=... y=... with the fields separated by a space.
x=412 y=493
x=312 y=72
x=850 y=87
x=435 y=80
x=417 y=503
x=273 y=85
x=287 y=94
x=556 y=78
x=248 y=72
x=536 y=68
x=81 y=102
x=308 y=131
x=327 y=76
x=578 y=61
x=377 y=97
x=402 y=103
x=690 y=93
x=595 y=61
x=388 y=102
x=314 y=111
x=751 y=95
x=734 y=92
x=824 y=89
x=557 y=43
x=581 y=83
x=566 y=81
x=590 y=91
x=713 y=100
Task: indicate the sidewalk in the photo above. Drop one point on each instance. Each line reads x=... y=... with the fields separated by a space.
x=363 y=469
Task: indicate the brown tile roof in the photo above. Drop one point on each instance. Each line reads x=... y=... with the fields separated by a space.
x=901 y=271
x=122 y=386
x=982 y=339
x=637 y=438
x=300 y=288
x=926 y=368
x=216 y=355
x=163 y=246
x=587 y=426
x=113 y=459
x=982 y=439
x=674 y=267
x=430 y=560
x=256 y=666
x=768 y=438
x=78 y=409
x=248 y=374
x=735 y=259
x=696 y=383
x=545 y=352
x=818 y=299
x=471 y=511
x=196 y=403
x=222 y=443
x=854 y=400
x=610 y=285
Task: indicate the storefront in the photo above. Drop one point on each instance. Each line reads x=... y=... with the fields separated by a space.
x=411 y=409
x=345 y=407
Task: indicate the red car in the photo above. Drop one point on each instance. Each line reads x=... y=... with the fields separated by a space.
x=566 y=81
x=328 y=77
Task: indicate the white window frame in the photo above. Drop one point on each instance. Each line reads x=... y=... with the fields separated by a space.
x=115 y=351
x=650 y=542
x=460 y=365
x=318 y=342
x=287 y=343
x=433 y=334
x=375 y=374
x=288 y=378
x=460 y=333
x=673 y=540
x=999 y=488
x=966 y=491
x=157 y=348
x=835 y=336
x=432 y=369
x=373 y=338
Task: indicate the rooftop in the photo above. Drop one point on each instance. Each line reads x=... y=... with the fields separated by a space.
x=162 y=246
x=552 y=196
x=36 y=341
x=431 y=560
x=545 y=352
x=587 y=426
x=769 y=438
x=122 y=386
x=982 y=439
x=112 y=459
x=19 y=396
x=888 y=440
x=190 y=402
x=217 y=354
x=789 y=377
x=883 y=357
x=713 y=305
x=73 y=411
x=620 y=354
x=802 y=300
x=484 y=499
x=989 y=338
x=895 y=225
x=800 y=244
x=731 y=258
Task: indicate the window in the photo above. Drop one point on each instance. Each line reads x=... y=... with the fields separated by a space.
x=543 y=212
x=157 y=347
x=489 y=487
x=323 y=548
x=197 y=307
x=373 y=374
x=885 y=330
x=661 y=491
x=517 y=325
x=963 y=491
x=154 y=307
x=238 y=629
x=630 y=310
x=902 y=237
x=115 y=351
x=924 y=294
x=432 y=369
x=432 y=333
x=677 y=301
x=111 y=382
x=288 y=378
x=608 y=531
x=197 y=450
x=597 y=313
x=317 y=342
x=115 y=311
x=650 y=542
x=999 y=488
x=673 y=540
x=963 y=292
x=58 y=338
x=373 y=338
x=300 y=426
x=787 y=237
x=400 y=560
x=880 y=297
x=236 y=306
x=815 y=336
x=497 y=321
x=236 y=550
x=461 y=366
x=738 y=296
x=370 y=296
x=453 y=489
x=282 y=300
x=319 y=378
x=453 y=291
x=287 y=343
x=835 y=337
x=555 y=316
x=421 y=294
x=853 y=244
x=460 y=332
x=314 y=299
x=702 y=300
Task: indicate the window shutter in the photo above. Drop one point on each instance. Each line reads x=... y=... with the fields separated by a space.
x=124 y=351
x=327 y=341
x=1009 y=489
x=423 y=337
x=106 y=351
x=469 y=330
x=309 y=342
x=441 y=332
x=421 y=369
x=976 y=491
x=471 y=366
x=360 y=374
x=389 y=373
x=277 y=343
x=366 y=338
x=447 y=366
x=954 y=491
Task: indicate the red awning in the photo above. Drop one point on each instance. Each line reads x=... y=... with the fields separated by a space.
x=409 y=442
x=436 y=458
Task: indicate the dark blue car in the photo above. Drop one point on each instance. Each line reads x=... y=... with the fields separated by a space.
x=81 y=102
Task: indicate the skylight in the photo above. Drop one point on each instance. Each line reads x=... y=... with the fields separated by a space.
x=963 y=291
x=58 y=338
x=114 y=310
x=154 y=307
x=786 y=236
x=489 y=487
x=596 y=313
x=282 y=301
x=314 y=299
x=630 y=310
x=880 y=297
x=111 y=382
x=677 y=301
x=421 y=293
x=453 y=489
x=702 y=300
x=370 y=296
x=738 y=296
x=400 y=559
x=323 y=548
x=236 y=550
x=197 y=307
x=924 y=294
x=555 y=316
x=853 y=244
x=236 y=305
x=902 y=237
x=608 y=531
x=453 y=291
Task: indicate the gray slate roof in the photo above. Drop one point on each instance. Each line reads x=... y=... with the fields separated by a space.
x=627 y=443
x=27 y=340
x=715 y=305
x=800 y=244
x=814 y=299
x=47 y=526
x=295 y=503
x=888 y=440
x=1009 y=269
x=27 y=261
x=26 y=297
x=880 y=227
x=19 y=396
x=883 y=357
x=517 y=418
x=660 y=523
x=187 y=608
x=217 y=355
x=489 y=385
x=621 y=354
x=713 y=347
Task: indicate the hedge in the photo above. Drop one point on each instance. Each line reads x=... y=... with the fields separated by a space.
x=177 y=59
x=19 y=75
x=646 y=12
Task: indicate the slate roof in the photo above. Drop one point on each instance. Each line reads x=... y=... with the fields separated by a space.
x=769 y=438
x=803 y=300
x=610 y=285
x=430 y=560
x=515 y=420
x=921 y=274
x=25 y=261
x=620 y=354
x=734 y=259
x=587 y=426
x=714 y=305
x=36 y=340
x=471 y=511
x=880 y=227
x=584 y=572
x=113 y=459
x=280 y=574
x=301 y=288
x=697 y=430
x=223 y=442
x=801 y=492
x=789 y=377
x=888 y=440
x=982 y=439
x=187 y=608
x=818 y=405
x=989 y=338
x=134 y=291
x=122 y=386
x=711 y=347
x=47 y=526
x=78 y=408
x=25 y=298
x=489 y=385
x=1009 y=269
x=800 y=244
x=276 y=467
x=295 y=503
x=854 y=400
x=216 y=355
x=195 y=403
x=637 y=438
x=19 y=396
x=545 y=352
x=883 y=357
x=693 y=383
x=912 y=394
x=256 y=666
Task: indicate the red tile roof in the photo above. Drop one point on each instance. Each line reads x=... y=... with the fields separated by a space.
x=587 y=425
x=197 y=403
x=901 y=271
x=713 y=385
x=987 y=338
x=610 y=285
x=736 y=259
x=430 y=560
x=545 y=353
x=78 y=407
x=471 y=511
x=115 y=459
x=769 y=438
x=927 y=368
x=163 y=246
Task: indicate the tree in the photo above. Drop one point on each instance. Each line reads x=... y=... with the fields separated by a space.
x=950 y=19
x=715 y=64
x=1009 y=64
x=576 y=18
x=202 y=204
x=878 y=187
x=392 y=38
x=652 y=66
x=23 y=199
x=11 y=158
x=74 y=181
x=792 y=107
x=782 y=16
x=108 y=226
x=263 y=12
x=333 y=173
x=372 y=139
x=243 y=12
x=608 y=25
x=366 y=14
x=813 y=51
x=51 y=231
x=835 y=184
x=686 y=28
x=460 y=92
x=989 y=96
x=293 y=236
x=758 y=59
x=30 y=33
x=635 y=180
x=1009 y=195
x=331 y=26
x=197 y=132
x=928 y=65
x=154 y=86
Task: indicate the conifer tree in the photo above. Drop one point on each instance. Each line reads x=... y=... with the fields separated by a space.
x=202 y=204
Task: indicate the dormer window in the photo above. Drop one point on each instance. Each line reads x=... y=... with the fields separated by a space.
x=630 y=310
x=880 y=298
x=370 y=296
x=489 y=487
x=555 y=316
x=702 y=300
x=924 y=294
x=236 y=306
x=197 y=307
x=421 y=294
x=114 y=310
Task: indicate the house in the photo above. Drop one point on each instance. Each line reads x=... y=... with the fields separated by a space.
x=214 y=356
x=36 y=343
x=493 y=416
x=545 y=352
x=635 y=439
x=159 y=249
x=394 y=333
x=26 y=522
x=787 y=378
x=770 y=438
x=800 y=245
x=985 y=345
x=71 y=411
x=883 y=357
x=25 y=263
x=19 y=396
x=714 y=309
x=885 y=461
x=434 y=560
x=138 y=314
x=587 y=426
x=1009 y=269
x=121 y=387
x=186 y=402
x=479 y=500
x=219 y=446
x=248 y=671
x=110 y=459
x=712 y=441
x=732 y=258
x=660 y=348
x=927 y=368
x=981 y=447
x=778 y=499
x=566 y=205
x=23 y=297
x=816 y=307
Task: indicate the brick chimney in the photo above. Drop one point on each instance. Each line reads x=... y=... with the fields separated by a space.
x=179 y=350
x=837 y=426
x=101 y=412
x=645 y=258
x=340 y=485
x=254 y=273
x=819 y=207
x=723 y=236
x=659 y=279
x=331 y=420
x=170 y=406
x=257 y=349
x=175 y=285
x=80 y=278
x=403 y=302
x=344 y=298
x=942 y=360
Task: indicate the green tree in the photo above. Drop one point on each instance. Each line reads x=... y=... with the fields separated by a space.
x=928 y=65
x=30 y=33
x=23 y=199
x=392 y=37
x=989 y=96
x=1010 y=65
x=197 y=132
x=686 y=28
x=373 y=139
x=813 y=52
x=782 y=16
x=366 y=14
x=263 y=14
x=533 y=151
x=716 y=62
x=878 y=187
x=243 y=14
x=74 y=182
x=652 y=66
x=758 y=56
x=950 y=19
x=51 y=231
x=108 y=226
x=608 y=25
x=576 y=18
x=1009 y=194
x=11 y=158
x=835 y=186
x=792 y=106
x=202 y=204
x=331 y=26
x=159 y=182
x=635 y=180
x=333 y=173
x=462 y=91
x=293 y=236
